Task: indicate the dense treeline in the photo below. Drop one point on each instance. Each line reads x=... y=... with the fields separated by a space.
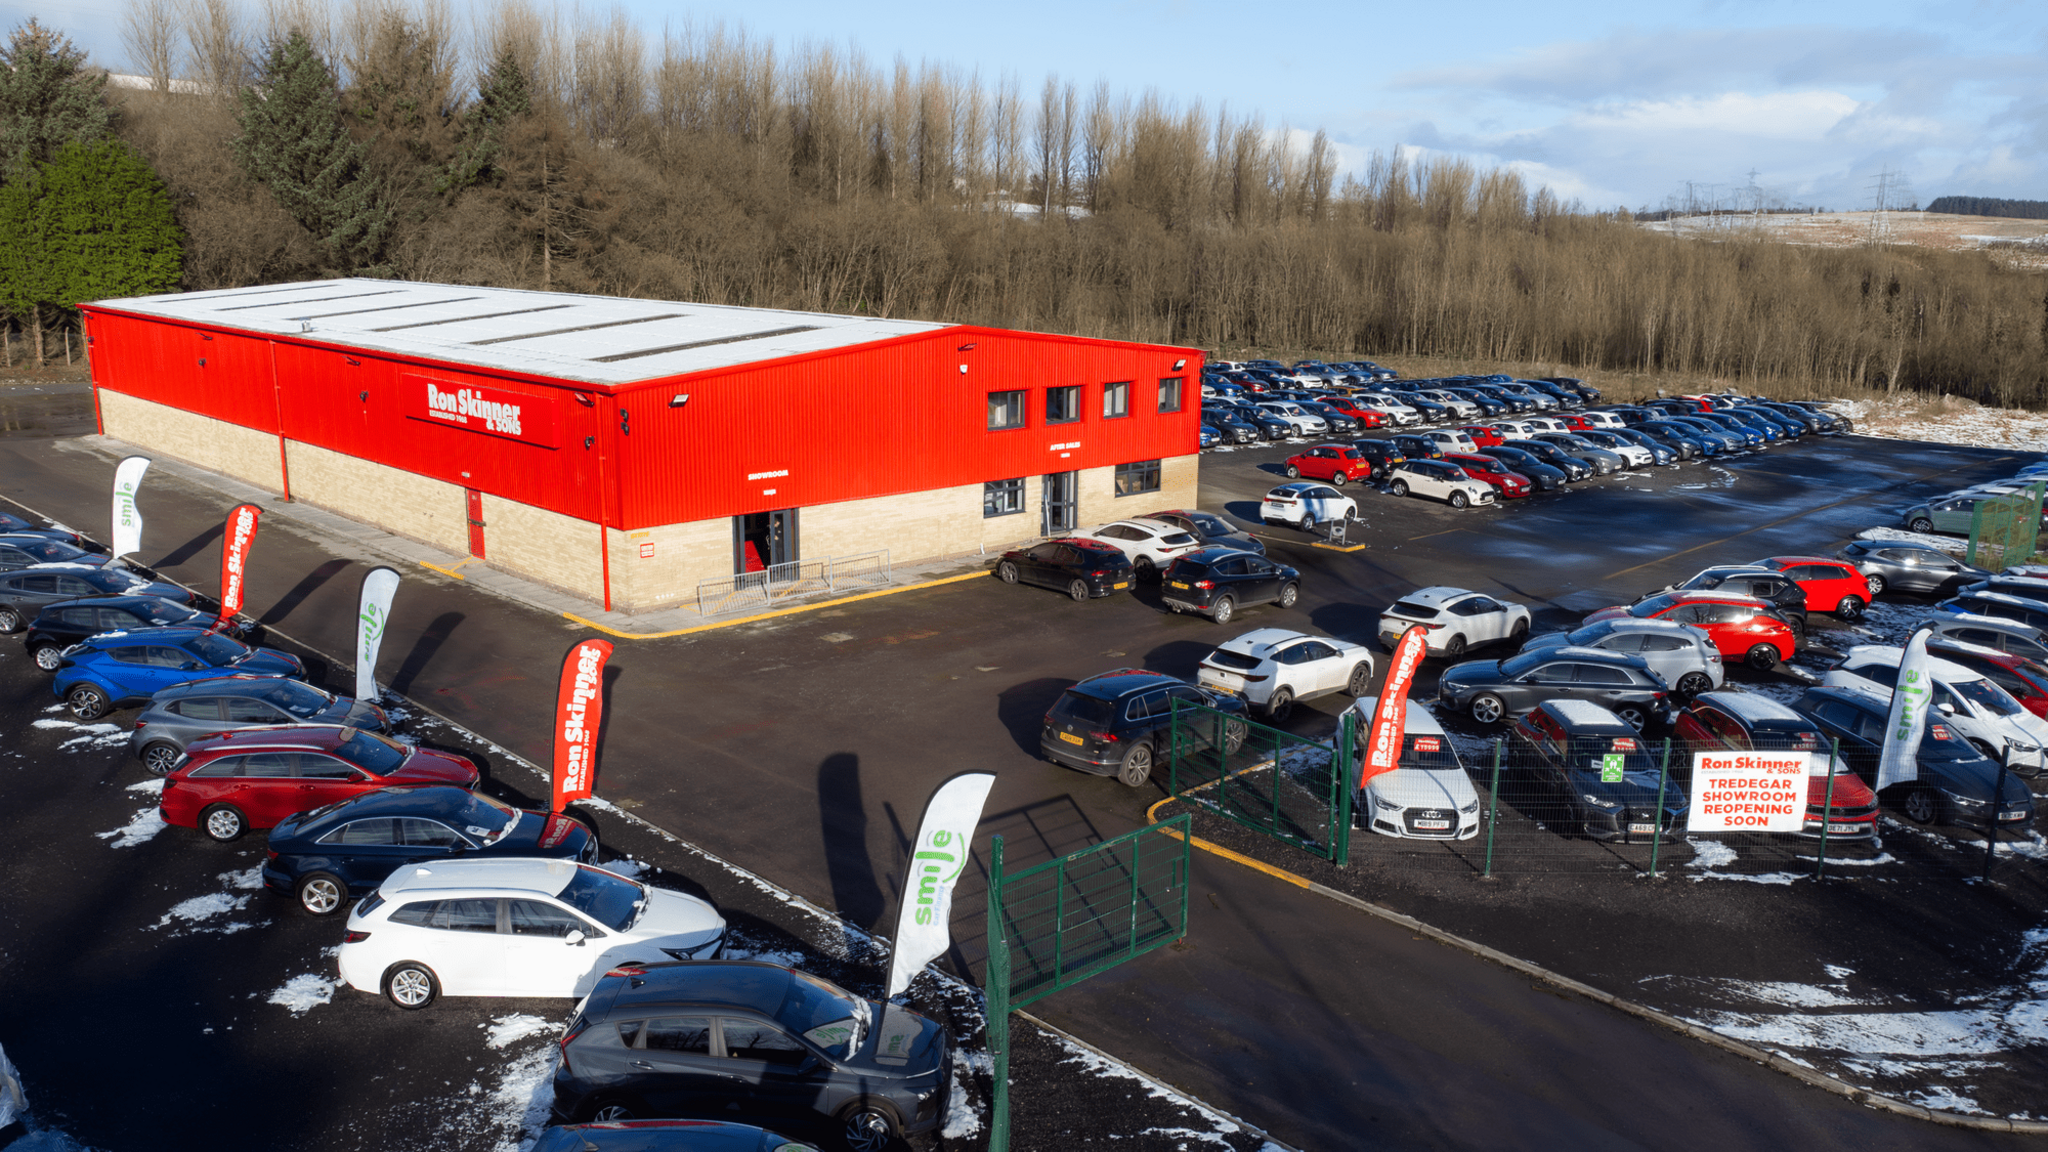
x=709 y=165
x=1990 y=206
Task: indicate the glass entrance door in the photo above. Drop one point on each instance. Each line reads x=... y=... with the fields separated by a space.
x=1062 y=503
x=762 y=540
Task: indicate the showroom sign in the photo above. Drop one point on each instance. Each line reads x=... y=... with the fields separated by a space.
x=520 y=416
x=1749 y=791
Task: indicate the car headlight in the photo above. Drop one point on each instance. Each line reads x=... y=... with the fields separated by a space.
x=1468 y=809
x=1384 y=804
x=1966 y=802
x=1597 y=802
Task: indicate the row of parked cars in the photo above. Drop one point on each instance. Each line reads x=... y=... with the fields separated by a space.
x=456 y=893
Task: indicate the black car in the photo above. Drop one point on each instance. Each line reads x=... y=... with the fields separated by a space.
x=1230 y=427
x=1905 y=566
x=1687 y=440
x=13 y=525
x=1215 y=582
x=25 y=592
x=1546 y=477
x=1114 y=723
x=1383 y=454
x=1209 y=528
x=23 y=550
x=1493 y=690
x=328 y=856
x=752 y=1042
x=1573 y=467
x=664 y=1136
x=1270 y=426
x=1955 y=780
x=58 y=626
x=1586 y=391
x=1774 y=588
x=1080 y=568
x=1596 y=763
x=1417 y=447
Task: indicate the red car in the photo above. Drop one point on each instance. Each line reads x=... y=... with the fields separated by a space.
x=1742 y=627
x=1484 y=435
x=1575 y=423
x=2025 y=679
x=1746 y=722
x=1505 y=481
x=1366 y=417
x=1337 y=463
x=255 y=777
x=1830 y=585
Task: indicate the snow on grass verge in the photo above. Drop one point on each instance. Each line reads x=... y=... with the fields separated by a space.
x=144 y=825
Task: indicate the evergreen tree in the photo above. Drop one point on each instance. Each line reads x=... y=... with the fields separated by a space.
x=502 y=99
x=295 y=141
x=47 y=99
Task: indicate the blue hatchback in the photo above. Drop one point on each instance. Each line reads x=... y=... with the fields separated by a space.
x=115 y=669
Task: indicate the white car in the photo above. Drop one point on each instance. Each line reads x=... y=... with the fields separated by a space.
x=1150 y=544
x=1304 y=421
x=1439 y=480
x=1985 y=714
x=516 y=926
x=1397 y=413
x=1451 y=440
x=1607 y=420
x=1304 y=504
x=1458 y=406
x=1427 y=796
x=1633 y=455
x=1457 y=619
x=1515 y=429
x=1271 y=668
x=1685 y=656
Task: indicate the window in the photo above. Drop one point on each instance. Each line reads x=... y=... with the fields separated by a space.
x=746 y=1040
x=419 y=833
x=1169 y=394
x=1116 y=399
x=381 y=830
x=201 y=708
x=1132 y=479
x=678 y=1034
x=464 y=915
x=242 y=710
x=270 y=765
x=313 y=766
x=533 y=918
x=1002 y=498
x=1063 y=405
x=1005 y=410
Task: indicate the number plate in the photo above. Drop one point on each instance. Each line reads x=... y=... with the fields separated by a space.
x=1836 y=829
x=1176 y=584
x=1121 y=584
x=1070 y=738
x=1432 y=825
x=1635 y=828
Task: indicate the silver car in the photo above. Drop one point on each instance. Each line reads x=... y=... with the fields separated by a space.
x=1683 y=655
x=1991 y=634
x=181 y=714
x=1908 y=566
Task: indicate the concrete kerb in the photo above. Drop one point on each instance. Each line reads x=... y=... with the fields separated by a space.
x=1772 y=1060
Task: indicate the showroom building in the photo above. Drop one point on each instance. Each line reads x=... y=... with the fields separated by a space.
x=629 y=450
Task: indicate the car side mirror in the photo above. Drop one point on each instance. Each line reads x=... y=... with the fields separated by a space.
x=1945 y=708
x=575 y=937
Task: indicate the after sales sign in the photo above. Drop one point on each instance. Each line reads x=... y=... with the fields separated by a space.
x=1749 y=791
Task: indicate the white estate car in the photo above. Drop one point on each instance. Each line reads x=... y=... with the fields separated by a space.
x=1149 y=544
x=1456 y=619
x=1271 y=668
x=1985 y=714
x=1427 y=796
x=515 y=927
x=1305 y=504
x=1683 y=655
x=1304 y=421
x=1600 y=419
x=1439 y=480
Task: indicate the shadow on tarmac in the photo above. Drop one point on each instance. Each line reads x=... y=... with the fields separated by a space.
x=843 y=827
x=423 y=650
x=305 y=587
x=192 y=547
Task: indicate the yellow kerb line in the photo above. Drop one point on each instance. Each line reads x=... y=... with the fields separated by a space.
x=778 y=612
x=1152 y=817
x=448 y=571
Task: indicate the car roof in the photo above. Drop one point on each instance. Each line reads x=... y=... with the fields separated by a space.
x=231 y=682
x=1262 y=641
x=524 y=873
x=1296 y=486
x=1084 y=542
x=445 y=801
x=281 y=737
x=1942 y=621
x=1643 y=624
x=1438 y=595
x=1122 y=682
x=1716 y=596
x=1597 y=655
x=175 y=634
x=1889 y=656
x=1210 y=553
x=1418 y=718
x=1583 y=714
x=1749 y=706
x=1803 y=560
x=2002 y=598
x=1731 y=568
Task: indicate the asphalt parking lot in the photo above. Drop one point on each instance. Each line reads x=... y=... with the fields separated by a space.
x=802 y=748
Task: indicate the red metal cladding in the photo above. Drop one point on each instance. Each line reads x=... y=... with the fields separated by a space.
x=210 y=373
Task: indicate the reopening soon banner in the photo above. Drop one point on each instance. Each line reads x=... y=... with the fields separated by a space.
x=579 y=713
x=1390 y=719
x=234 y=556
x=924 y=923
x=127 y=535
x=1750 y=791
x=373 y=614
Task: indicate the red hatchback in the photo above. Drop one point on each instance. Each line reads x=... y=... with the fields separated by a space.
x=255 y=777
x=1830 y=585
x=1742 y=627
x=1337 y=463
x=1746 y=722
x=1484 y=435
x=1505 y=481
x=1366 y=417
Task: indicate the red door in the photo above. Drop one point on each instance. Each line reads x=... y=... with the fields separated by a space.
x=476 y=522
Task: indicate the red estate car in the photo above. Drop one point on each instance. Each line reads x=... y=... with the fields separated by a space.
x=1337 y=463
x=1505 y=480
x=1366 y=417
x=1484 y=435
x=1742 y=627
x=255 y=777
x=1830 y=585
x=1745 y=722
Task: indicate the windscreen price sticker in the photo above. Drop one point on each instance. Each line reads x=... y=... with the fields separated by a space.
x=1749 y=791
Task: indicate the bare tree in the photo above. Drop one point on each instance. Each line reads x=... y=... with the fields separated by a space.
x=216 y=46
x=149 y=32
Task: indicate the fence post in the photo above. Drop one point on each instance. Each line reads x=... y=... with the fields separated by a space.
x=1991 y=820
x=1827 y=809
x=1492 y=808
x=1340 y=767
x=1657 y=817
x=996 y=995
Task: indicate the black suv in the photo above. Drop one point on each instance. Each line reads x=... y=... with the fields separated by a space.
x=65 y=623
x=1216 y=581
x=1956 y=780
x=1493 y=690
x=1598 y=766
x=1080 y=568
x=1113 y=723
x=754 y=1042
x=24 y=593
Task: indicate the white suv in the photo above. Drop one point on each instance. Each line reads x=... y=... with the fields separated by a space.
x=517 y=926
x=1985 y=714
x=1399 y=414
x=1271 y=668
x=1149 y=544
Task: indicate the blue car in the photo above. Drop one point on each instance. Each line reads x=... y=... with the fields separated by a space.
x=115 y=669
x=664 y=1136
x=332 y=854
x=1209 y=436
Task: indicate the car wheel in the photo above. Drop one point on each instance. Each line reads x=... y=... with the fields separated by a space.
x=1454 y=647
x=223 y=822
x=1488 y=708
x=1281 y=706
x=1763 y=658
x=1875 y=583
x=1694 y=683
x=86 y=702
x=411 y=985
x=867 y=1127
x=1136 y=766
x=1339 y=479
x=10 y=620
x=1293 y=472
x=1633 y=715
x=1849 y=608
x=1920 y=806
x=1921 y=524
x=1398 y=488
x=1006 y=572
x=1234 y=734
x=1459 y=500
x=48 y=656
x=321 y=893
x=158 y=758
x=1289 y=593
x=1361 y=679
x=614 y=1109
x=1308 y=524
x=1518 y=633
x=1078 y=589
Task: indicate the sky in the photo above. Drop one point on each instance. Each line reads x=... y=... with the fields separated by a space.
x=1611 y=104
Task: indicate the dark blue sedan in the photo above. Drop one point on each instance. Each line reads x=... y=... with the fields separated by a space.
x=327 y=856
x=115 y=669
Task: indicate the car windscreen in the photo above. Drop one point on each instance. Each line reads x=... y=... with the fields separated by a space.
x=1211 y=525
x=824 y=1014
x=1412 y=609
x=1986 y=695
x=300 y=700
x=1652 y=606
x=47 y=551
x=612 y=901
x=217 y=650
x=1084 y=709
x=371 y=752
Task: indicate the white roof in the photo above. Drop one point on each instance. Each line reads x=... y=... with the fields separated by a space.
x=594 y=339
x=1863 y=655
x=523 y=873
x=1750 y=706
x=1582 y=712
x=1417 y=719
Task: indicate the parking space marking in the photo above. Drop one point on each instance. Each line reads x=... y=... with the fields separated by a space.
x=1445 y=532
x=450 y=570
x=1339 y=547
x=943 y=580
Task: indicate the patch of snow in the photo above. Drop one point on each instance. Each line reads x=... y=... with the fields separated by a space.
x=508 y=1030
x=143 y=826
x=963 y=1119
x=202 y=908
x=1096 y=1064
x=302 y=994
x=1783 y=879
x=1790 y=995
x=1948 y=420
x=151 y=787
x=625 y=866
x=784 y=957
x=248 y=880
x=89 y=735
x=522 y=1098
x=1945 y=1100
x=1709 y=854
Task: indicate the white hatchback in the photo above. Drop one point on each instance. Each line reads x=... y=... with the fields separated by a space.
x=1427 y=796
x=1440 y=480
x=515 y=927
x=1305 y=504
x=1150 y=545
